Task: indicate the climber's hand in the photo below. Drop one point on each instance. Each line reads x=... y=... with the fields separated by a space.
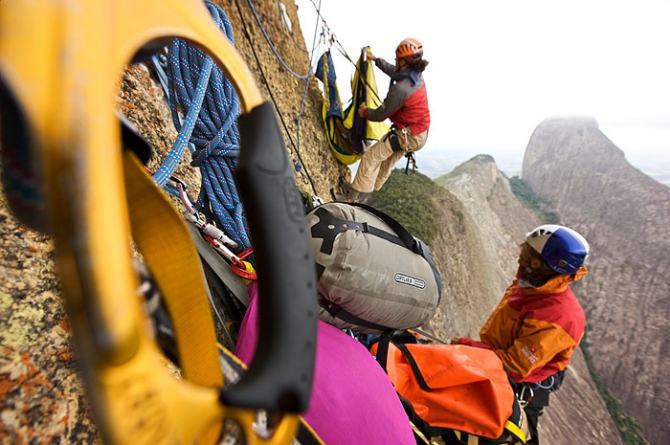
x=363 y=111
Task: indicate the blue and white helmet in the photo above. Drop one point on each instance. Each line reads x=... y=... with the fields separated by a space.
x=562 y=248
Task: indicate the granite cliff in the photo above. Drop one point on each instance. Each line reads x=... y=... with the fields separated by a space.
x=625 y=215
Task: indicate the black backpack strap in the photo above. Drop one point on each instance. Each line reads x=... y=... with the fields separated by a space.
x=391 y=336
x=383 y=348
x=413 y=365
x=407 y=238
x=329 y=227
x=421 y=429
x=336 y=310
x=450 y=437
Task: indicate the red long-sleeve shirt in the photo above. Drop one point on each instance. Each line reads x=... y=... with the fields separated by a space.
x=534 y=331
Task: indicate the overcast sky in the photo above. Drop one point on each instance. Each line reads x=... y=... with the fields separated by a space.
x=499 y=68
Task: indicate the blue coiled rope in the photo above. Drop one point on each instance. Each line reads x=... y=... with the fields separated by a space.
x=202 y=92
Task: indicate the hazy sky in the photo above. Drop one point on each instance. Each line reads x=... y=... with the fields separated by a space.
x=499 y=68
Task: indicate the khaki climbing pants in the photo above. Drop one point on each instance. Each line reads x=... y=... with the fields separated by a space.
x=378 y=161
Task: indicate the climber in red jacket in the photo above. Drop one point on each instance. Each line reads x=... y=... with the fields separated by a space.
x=406 y=105
x=539 y=322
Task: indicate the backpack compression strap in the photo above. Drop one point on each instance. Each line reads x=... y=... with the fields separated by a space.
x=323 y=230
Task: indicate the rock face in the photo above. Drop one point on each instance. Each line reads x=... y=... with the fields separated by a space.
x=500 y=223
x=501 y=219
x=625 y=215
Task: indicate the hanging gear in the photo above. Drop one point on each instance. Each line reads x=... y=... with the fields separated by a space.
x=454 y=392
x=373 y=275
x=410 y=161
x=348 y=133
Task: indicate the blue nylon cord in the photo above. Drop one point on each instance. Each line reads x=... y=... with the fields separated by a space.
x=210 y=124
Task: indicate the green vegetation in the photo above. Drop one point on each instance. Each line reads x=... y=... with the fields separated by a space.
x=461 y=217
x=630 y=430
x=527 y=196
x=410 y=200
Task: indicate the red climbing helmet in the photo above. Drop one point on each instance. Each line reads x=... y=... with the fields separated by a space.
x=409 y=49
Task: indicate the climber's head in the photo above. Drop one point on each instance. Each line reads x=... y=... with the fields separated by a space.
x=410 y=50
x=563 y=249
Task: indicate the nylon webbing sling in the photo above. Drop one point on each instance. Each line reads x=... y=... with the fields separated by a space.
x=163 y=240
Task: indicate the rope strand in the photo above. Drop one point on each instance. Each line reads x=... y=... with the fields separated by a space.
x=212 y=107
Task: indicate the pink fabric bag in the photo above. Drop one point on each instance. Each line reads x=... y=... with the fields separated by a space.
x=353 y=401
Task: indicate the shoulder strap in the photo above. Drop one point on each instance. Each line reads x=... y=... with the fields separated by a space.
x=324 y=229
x=407 y=238
x=336 y=310
x=414 y=366
x=391 y=336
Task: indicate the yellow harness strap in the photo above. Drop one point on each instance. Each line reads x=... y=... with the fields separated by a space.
x=164 y=241
x=515 y=431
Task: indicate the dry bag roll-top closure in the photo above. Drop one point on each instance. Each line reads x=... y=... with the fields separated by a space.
x=373 y=275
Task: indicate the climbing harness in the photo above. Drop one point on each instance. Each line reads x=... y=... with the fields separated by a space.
x=61 y=140
x=526 y=390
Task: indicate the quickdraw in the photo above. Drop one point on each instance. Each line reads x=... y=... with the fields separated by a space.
x=410 y=160
x=213 y=235
x=217 y=239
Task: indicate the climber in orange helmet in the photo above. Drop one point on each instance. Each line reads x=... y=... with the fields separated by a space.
x=406 y=106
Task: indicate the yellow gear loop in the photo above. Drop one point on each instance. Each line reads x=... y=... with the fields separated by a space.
x=62 y=61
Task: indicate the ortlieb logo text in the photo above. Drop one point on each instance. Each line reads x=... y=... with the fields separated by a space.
x=410 y=281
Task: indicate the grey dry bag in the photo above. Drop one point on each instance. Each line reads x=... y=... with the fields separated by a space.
x=373 y=275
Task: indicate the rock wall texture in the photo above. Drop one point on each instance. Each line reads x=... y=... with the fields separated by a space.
x=625 y=215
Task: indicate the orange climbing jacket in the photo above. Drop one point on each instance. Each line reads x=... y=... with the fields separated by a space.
x=534 y=331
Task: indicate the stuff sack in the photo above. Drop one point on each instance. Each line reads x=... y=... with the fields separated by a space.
x=373 y=275
x=456 y=388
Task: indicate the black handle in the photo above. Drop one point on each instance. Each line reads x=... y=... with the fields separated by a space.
x=281 y=373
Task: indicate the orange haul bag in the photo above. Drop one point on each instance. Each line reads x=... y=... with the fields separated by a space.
x=455 y=387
